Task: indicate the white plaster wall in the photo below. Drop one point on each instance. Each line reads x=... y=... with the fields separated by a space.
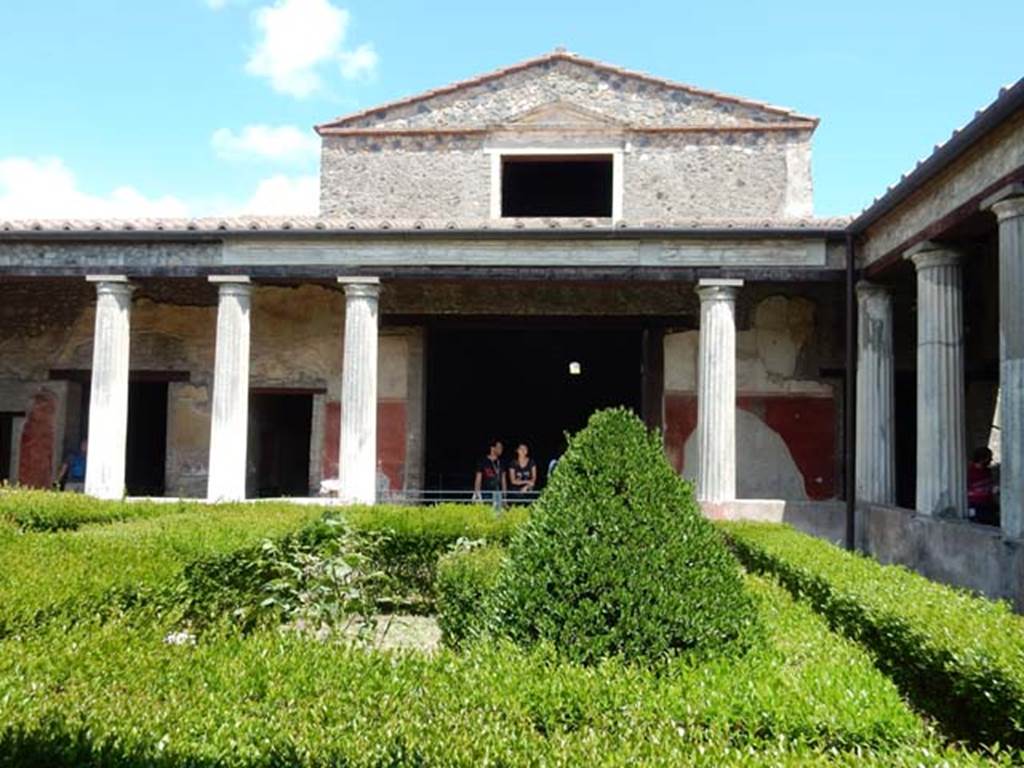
x=767 y=353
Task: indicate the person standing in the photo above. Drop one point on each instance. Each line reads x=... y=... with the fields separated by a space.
x=71 y=475
x=522 y=474
x=982 y=488
x=489 y=481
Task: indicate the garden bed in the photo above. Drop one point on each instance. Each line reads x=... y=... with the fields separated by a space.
x=103 y=662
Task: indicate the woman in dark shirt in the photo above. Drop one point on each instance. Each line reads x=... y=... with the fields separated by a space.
x=522 y=474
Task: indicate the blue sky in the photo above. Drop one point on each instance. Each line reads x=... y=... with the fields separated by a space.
x=196 y=107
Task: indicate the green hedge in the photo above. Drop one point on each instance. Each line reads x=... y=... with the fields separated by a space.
x=411 y=539
x=34 y=510
x=960 y=657
x=617 y=558
x=465 y=579
x=71 y=574
x=117 y=695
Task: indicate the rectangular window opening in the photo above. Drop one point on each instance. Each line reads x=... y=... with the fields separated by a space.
x=556 y=185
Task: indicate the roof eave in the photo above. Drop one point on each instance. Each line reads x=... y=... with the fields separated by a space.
x=138 y=235
x=1009 y=101
x=559 y=55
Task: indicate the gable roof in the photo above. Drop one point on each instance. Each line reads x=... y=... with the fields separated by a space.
x=357 y=122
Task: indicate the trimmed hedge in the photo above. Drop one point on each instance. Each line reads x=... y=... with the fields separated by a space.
x=35 y=510
x=102 y=569
x=409 y=540
x=960 y=657
x=465 y=582
x=117 y=695
x=617 y=558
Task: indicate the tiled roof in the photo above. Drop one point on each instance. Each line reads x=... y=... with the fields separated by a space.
x=558 y=55
x=279 y=224
x=1009 y=100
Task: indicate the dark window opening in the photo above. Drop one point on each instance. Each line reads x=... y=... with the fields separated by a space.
x=280 y=428
x=556 y=186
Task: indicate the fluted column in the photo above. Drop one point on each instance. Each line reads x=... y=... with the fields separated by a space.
x=1009 y=209
x=941 y=438
x=716 y=391
x=229 y=418
x=358 y=451
x=876 y=456
x=108 y=399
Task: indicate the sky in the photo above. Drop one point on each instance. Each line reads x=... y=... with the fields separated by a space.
x=123 y=108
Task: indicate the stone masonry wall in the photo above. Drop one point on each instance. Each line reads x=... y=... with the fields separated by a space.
x=369 y=181
x=666 y=178
x=623 y=98
x=678 y=177
x=386 y=173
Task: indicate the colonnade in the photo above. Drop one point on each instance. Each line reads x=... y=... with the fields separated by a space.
x=105 y=469
x=941 y=482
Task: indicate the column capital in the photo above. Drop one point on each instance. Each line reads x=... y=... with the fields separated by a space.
x=361 y=287
x=868 y=290
x=232 y=285
x=1007 y=203
x=718 y=289
x=116 y=285
x=930 y=254
x=1010 y=208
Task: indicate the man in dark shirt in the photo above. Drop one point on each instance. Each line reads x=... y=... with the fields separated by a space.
x=489 y=481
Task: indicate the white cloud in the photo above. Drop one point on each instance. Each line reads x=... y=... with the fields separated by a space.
x=282 y=195
x=47 y=188
x=298 y=37
x=360 y=63
x=282 y=144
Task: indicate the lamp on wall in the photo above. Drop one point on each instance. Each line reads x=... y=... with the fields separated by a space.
x=575 y=369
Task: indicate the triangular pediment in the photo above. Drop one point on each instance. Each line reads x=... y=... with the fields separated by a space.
x=561 y=116
x=563 y=90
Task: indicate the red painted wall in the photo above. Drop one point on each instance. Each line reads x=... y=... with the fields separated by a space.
x=391 y=418
x=807 y=425
x=35 y=465
x=332 y=436
x=680 y=421
x=391 y=437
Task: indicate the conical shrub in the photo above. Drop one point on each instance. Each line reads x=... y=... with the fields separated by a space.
x=616 y=558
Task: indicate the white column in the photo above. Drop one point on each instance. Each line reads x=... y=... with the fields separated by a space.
x=876 y=457
x=941 y=429
x=357 y=464
x=229 y=418
x=108 y=401
x=716 y=391
x=1009 y=209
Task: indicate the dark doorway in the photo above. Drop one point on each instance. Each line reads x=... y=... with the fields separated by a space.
x=905 y=438
x=6 y=429
x=146 y=457
x=280 y=426
x=557 y=186
x=517 y=384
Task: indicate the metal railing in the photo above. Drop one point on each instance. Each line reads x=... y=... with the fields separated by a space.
x=429 y=497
